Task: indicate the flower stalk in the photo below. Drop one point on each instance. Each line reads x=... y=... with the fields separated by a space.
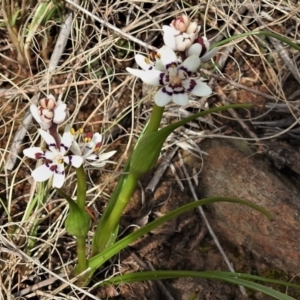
x=106 y=231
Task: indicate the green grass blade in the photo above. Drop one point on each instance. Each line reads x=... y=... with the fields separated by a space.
x=99 y=259
x=235 y=278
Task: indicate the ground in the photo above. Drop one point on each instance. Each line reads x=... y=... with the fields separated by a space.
x=261 y=164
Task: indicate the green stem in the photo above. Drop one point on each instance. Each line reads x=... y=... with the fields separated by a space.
x=155 y=119
x=81 y=241
x=81 y=255
x=107 y=229
x=81 y=187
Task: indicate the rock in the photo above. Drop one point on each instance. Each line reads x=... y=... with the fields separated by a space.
x=232 y=170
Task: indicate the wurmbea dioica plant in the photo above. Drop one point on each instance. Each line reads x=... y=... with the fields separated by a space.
x=174 y=69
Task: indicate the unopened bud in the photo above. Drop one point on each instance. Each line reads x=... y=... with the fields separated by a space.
x=48 y=103
x=193 y=28
x=46 y=115
x=181 y=23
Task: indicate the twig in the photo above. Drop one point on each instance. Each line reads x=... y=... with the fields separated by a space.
x=55 y=57
x=278 y=46
x=160 y=171
x=114 y=28
x=238 y=85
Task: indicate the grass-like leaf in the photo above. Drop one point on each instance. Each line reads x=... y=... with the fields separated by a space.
x=235 y=278
x=99 y=259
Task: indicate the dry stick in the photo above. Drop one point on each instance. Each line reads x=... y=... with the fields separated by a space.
x=242 y=289
x=67 y=283
x=55 y=57
x=114 y=28
x=278 y=46
x=235 y=116
x=160 y=171
x=7 y=93
x=238 y=85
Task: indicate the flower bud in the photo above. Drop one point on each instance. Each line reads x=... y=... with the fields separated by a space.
x=48 y=102
x=193 y=28
x=181 y=23
x=46 y=115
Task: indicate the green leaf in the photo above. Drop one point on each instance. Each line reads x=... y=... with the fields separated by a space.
x=235 y=278
x=78 y=220
x=146 y=153
x=99 y=259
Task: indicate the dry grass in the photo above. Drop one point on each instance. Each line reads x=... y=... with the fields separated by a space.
x=90 y=76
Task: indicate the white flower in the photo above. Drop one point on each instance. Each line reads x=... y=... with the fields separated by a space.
x=181 y=33
x=49 y=112
x=200 y=48
x=54 y=159
x=174 y=77
x=90 y=150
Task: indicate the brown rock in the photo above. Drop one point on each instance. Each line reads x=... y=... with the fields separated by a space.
x=231 y=170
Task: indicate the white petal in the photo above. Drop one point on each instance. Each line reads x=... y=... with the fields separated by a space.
x=180 y=99
x=75 y=149
x=191 y=64
x=195 y=49
x=36 y=115
x=209 y=55
x=66 y=142
x=74 y=160
x=98 y=165
x=97 y=138
x=143 y=62
x=35 y=112
x=31 y=152
x=59 y=176
x=169 y=37
x=53 y=155
x=49 y=139
x=60 y=113
x=197 y=87
x=162 y=98
x=150 y=77
x=167 y=56
x=42 y=173
x=101 y=157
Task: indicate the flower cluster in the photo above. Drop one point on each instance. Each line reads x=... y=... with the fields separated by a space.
x=174 y=73
x=174 y=76
x=90 y=149
x=54 y=158
x=181 y=33
x=50 y=113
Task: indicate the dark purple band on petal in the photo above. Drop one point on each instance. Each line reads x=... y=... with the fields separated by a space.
x=193 y=83
x=63 y=146
x=185 y=70
x=48 y=162
x=200 y=41
x=164 y=90
x=53 y=168
x=39 y=155
x=172 y=64
x=162 y=78
x=70 y=159
x=179 y=90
